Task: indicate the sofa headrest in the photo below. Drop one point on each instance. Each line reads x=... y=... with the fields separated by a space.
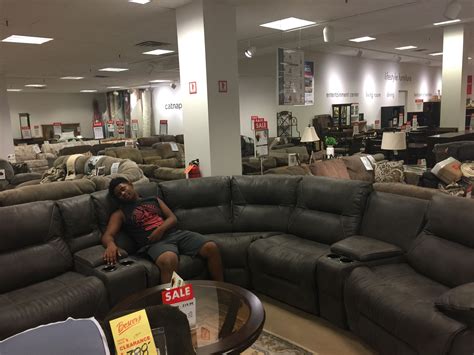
x=452 y=218
x=265 y=190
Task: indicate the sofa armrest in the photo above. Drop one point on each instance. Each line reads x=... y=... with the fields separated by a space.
x=93 y=256
x=363 y=248
x=458 y=303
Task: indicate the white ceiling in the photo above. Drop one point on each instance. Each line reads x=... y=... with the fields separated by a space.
x=91 y=34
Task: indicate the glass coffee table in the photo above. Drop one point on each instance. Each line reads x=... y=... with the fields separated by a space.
x=229 y=319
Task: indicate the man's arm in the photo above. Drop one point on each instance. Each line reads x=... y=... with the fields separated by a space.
x=170 y=221
x=113 y=227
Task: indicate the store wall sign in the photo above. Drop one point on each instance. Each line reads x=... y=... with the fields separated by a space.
x=174 y=106
x=193 y=87
x=222 y=85
x=397 y=77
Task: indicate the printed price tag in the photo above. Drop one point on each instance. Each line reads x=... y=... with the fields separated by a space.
x=366 y=163
x=3 y=176
x=132 y=334
x=36 y=149
x=174 y=147
x=114 y=168
x=183 y=298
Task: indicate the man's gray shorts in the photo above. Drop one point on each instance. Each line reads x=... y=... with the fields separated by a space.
x=179 y=242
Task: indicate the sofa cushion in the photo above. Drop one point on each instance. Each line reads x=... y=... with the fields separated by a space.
x=284 y=267
x=19 y=179
x=397 y=188
x=458 y=303
x=362 y=248
x=56 y=299
x=401 y=302
x=378 y=224
x=80 y=224
x=42 y=252
x=334 y=168
x=431 y=256
x=125 y=153
x=50 y=191
x=201 y=205
x=328 y=210
x=356 y=169
x=167 y=174
x=263 y=203
x=446 y=240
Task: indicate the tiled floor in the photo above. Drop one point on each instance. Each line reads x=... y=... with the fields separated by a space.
x=311 y=332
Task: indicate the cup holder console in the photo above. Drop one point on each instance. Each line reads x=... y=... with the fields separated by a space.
x=109 y=268
x=339 y=258
x=126 y=262
x=345 y=260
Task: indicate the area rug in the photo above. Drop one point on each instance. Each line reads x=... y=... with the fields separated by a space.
x=271 y=344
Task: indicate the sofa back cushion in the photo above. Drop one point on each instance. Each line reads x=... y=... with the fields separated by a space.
x=328 y=210
x=125 y=153
x=31 y=249
x=394 y=219
x=201 y=205
x=263 y=203
x=80 y=223
x=444 y=251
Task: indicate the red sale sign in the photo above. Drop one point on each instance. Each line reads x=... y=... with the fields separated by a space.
x=176 y=295
x=259 y=125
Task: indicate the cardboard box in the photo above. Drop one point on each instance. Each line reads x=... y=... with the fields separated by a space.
x=448 y=170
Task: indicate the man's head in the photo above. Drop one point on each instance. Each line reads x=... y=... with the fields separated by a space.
x=122 y=189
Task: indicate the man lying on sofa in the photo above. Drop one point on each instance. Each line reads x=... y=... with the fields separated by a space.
x=151 y=224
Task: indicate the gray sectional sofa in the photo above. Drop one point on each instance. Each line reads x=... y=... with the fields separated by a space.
x=395 y=270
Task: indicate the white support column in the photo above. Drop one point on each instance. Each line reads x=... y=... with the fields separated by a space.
x=453 y=104
x=6 y=136
x=208 y=54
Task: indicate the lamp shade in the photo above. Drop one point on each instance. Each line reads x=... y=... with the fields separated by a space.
x=309 y=135
x=394 y=141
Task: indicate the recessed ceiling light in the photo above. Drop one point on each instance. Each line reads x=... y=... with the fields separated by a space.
x=446 y=22
x=26 y=39
x=14 y=90
x=469 y=58
x=289 y=23
x=141 y=2
x=436 y=54
x=158 y=52
x=35 y=85
x=113 y=69
x=160 y=81
x=72 y=77
x=405 y=48
x=362 y=39
x=88 y=90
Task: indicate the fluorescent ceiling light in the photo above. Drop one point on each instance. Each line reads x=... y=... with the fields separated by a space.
x=289 y=23
x=35 y=85
x=26 y=39
x=158 y=52
x=14 y=90
x=115 y=87
x=436 y=54
x=406 y=47
x=113 y=69
x=469 y=58
x=88 y=90
x=72 y=77
x=141 y=2
x=160 y=81
x=446 y=22
x=362 y=39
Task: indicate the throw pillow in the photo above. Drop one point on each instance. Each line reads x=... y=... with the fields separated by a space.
x=458 y=303
x=389 y=171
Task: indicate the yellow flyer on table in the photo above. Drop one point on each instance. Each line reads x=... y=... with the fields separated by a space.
x=132 y=334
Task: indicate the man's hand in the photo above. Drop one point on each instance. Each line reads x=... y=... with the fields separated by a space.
x=156 y=235
x=111 y=253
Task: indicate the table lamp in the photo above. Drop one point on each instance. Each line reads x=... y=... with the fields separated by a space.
x=394 y=141
x=310 y=136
